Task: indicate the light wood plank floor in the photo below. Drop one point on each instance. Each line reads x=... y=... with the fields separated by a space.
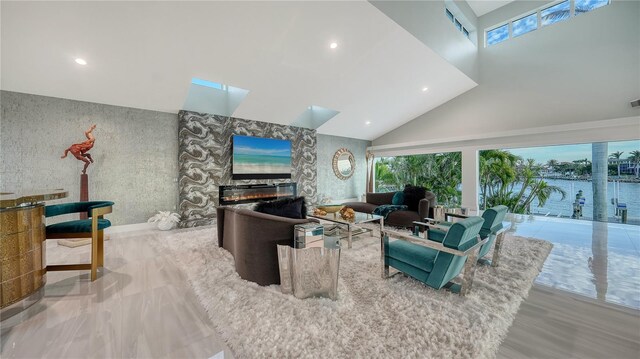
x=142 y=306
x=553 y=324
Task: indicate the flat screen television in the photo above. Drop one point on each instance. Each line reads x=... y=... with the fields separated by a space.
x=260 y=158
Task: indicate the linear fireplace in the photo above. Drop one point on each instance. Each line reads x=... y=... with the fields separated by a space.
x=238 y=194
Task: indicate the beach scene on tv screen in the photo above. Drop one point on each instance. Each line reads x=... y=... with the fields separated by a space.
x=254 y=155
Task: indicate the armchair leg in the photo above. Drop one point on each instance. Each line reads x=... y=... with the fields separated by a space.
x=469 y=273
x=100 y=248
x=496 y=249
x=94 y=252
x=384 y=242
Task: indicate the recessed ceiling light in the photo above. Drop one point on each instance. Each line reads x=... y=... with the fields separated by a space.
x=424 y=89
x=333 y=45
x=367 y=123
x=80 y=61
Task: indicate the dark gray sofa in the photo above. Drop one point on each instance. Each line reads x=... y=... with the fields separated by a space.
x=397 y=218
x=252 y=237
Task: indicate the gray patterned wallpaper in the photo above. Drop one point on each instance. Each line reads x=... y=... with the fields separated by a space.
x=331 y=186
x=205 y=160
x=135 y=153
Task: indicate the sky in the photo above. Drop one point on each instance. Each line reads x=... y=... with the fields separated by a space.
x=246 y=145
x=568 y=153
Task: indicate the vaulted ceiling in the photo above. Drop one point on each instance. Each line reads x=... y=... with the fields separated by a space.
x=144 y=55
x=481 y=7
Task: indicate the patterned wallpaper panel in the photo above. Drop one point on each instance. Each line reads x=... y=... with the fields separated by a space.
x=205 y=160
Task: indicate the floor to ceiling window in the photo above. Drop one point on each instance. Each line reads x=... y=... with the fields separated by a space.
x=440 y=173
x=598 y=181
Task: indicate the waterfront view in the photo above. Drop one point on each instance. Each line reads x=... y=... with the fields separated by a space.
x=540 y=180
x=628 y=193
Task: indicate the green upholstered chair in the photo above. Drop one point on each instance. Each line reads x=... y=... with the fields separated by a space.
x=435 y=262
x=492 y=228
x=84 y=228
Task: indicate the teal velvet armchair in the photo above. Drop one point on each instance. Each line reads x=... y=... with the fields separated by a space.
x=84 y=228
x=435 y=261
x=492 y=228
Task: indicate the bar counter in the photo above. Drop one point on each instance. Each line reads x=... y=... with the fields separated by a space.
x=23 y=271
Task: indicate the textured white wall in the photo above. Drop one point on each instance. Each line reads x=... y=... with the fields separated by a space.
x=136 y=152
x=581 y=70
x=426 y=21
x=328 y=184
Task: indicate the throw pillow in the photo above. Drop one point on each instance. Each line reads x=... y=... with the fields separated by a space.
x=413 y=195
x=398 y=198
x=286 y=207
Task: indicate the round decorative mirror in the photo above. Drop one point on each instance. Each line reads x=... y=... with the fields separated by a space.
x=344 y=164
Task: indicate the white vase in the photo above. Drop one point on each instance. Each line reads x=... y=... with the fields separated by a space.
x=166 y=225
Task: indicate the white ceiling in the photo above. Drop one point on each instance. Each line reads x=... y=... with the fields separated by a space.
x=144 y=54
x=481 y=7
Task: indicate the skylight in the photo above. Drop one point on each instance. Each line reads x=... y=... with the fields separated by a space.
x=213 y=97
x=314 y=117
x=213 y=85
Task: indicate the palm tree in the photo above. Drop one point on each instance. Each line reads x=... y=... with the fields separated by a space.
x=440 y=173
x=552 y=164
x=500 y=173
x=617 y=155
x=584 y=166
x=497 y=177
x=635 y=158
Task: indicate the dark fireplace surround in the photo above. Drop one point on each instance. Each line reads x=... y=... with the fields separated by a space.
x=238 y=194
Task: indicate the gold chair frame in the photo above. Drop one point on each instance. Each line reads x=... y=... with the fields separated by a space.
x=97 y=244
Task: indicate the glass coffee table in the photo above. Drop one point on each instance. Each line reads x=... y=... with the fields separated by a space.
x=351 y=224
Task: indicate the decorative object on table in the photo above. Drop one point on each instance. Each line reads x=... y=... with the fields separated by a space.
x=371 y=168
x=93 y=228
x=432 y=323
x=344 y=164
x=319 y=212
x=310 y=268
x=347 y=213
x=166 y=220
x=330 y=208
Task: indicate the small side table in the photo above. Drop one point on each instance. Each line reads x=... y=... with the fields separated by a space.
x=311 y=268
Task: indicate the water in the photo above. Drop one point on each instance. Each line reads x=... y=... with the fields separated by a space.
x=629 y=193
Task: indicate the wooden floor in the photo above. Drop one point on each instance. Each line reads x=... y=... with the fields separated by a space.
x=552 y=324
x=141 y=306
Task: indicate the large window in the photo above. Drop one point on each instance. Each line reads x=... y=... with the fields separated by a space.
x=543 y=16
x=440 y=173
x=560 y=181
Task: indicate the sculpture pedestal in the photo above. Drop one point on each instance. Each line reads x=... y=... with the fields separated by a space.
x=84 y=191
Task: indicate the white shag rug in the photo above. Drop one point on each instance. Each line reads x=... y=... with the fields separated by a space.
x=372 y=318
